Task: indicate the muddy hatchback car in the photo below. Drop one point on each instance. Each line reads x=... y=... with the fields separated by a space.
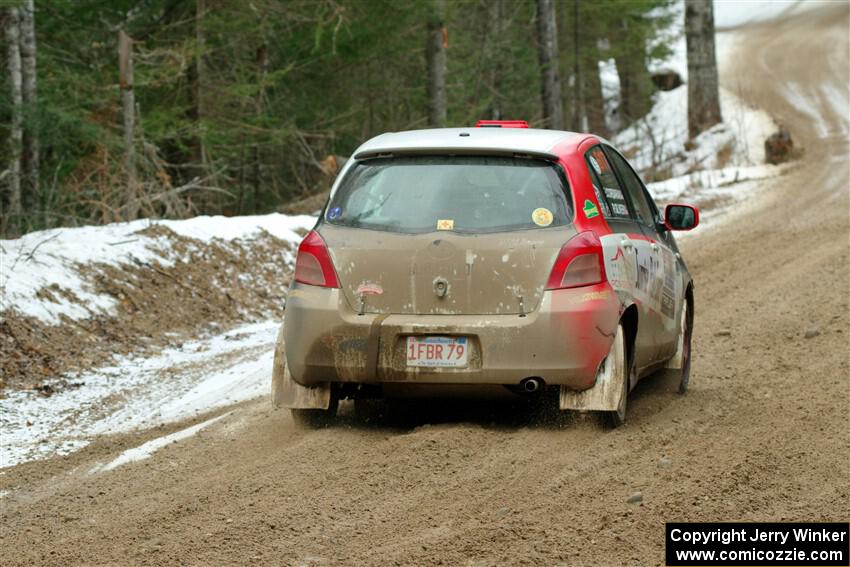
x=495 y=259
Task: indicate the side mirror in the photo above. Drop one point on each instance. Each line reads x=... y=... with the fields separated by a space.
x=680 y=217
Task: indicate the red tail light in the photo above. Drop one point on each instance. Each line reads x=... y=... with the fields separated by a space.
x=313 y=264
x=579 y=263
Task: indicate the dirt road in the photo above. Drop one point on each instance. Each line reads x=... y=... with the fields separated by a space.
x=762 y=435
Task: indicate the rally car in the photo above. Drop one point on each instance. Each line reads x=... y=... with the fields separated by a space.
x=495 y=258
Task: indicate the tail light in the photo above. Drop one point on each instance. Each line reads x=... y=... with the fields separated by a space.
x=313 y=264
x=579 y=263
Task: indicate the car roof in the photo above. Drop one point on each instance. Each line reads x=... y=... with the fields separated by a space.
x=534 y=142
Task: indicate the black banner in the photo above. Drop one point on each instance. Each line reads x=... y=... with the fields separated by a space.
x=763 y=544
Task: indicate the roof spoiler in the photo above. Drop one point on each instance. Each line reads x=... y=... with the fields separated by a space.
x=454 y=151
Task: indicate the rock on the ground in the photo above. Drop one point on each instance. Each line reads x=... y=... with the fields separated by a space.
x=778 y=147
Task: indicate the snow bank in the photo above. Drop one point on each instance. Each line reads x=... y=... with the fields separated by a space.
x=732 y=13
x=659 y=141
x=50 y=258
x=139 y=392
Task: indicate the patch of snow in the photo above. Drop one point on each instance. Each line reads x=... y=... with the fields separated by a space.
x=610 y=81
x=658 y=141
x=669 y=190
x=138 y=392
x=733 y=13
x=720 y=194
x=145 y=450
x=48 y=258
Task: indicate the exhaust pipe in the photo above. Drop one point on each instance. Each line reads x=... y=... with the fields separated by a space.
x=531 y=385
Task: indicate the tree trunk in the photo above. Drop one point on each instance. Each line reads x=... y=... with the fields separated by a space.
x=128 y=115
x=703 y=94
x=30 y=99
x=12 y=218
x=197 y=78
x=435 y=58
x=495 y=36
x=547 y=40
x=635 y=83
x=594 y=101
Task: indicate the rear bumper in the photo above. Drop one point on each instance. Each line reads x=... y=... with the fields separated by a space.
x=562 y=342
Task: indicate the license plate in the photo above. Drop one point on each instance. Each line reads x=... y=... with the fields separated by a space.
x=437 y=352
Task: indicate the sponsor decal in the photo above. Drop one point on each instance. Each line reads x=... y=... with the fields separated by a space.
x=598 y=157
x=620 y=209
x=590 y=209
x=606 y=212
x=595 y=164
x=668 y=293
x=445 y=224
x=542 y=216
x=335 y=213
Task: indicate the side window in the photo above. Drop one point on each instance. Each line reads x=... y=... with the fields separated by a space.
x=634 y=187
x=605 y=184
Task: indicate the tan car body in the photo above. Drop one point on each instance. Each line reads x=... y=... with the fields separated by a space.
x=488 y=288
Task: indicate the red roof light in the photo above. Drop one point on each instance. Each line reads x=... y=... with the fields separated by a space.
x=501 y=124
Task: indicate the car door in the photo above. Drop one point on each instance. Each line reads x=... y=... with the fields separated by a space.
x=621 y=249
x=656 y=259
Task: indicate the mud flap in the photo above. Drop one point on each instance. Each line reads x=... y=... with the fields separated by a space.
x=675 y=363
x=603 y=396
x=287 y=393
x=606 y=392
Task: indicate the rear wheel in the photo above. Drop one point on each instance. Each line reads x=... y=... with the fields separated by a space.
x=685 y=346
x=616 y=368
x=317 y=418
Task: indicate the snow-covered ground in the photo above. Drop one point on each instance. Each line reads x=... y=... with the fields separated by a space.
x=138 y=393
x=732 y=13
x=46 y=258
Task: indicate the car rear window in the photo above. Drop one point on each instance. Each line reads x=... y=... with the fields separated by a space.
x=464 y=194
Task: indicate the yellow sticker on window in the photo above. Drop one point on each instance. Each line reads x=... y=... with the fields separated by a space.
x=445 y=224
x=542 y=216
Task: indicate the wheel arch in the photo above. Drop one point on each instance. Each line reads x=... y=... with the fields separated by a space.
x=629 y=320
x=689 y=298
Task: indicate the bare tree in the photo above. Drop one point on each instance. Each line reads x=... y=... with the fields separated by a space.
x=703 y=95
x=547 y=41
x=13 y=55
x=435 y=58
x=128 y=116
x=30 y=100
